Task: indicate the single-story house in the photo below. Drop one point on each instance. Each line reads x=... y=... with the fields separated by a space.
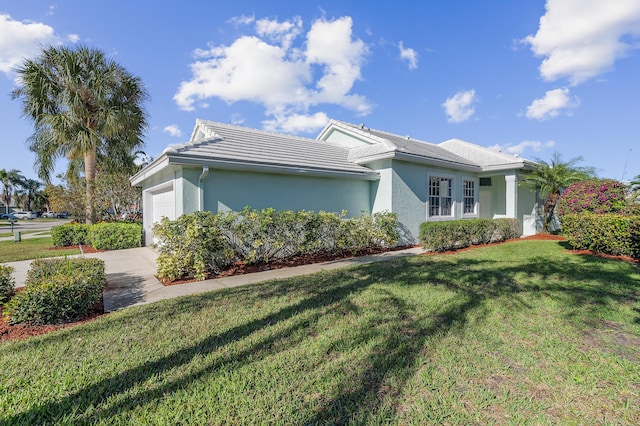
x=347 y=167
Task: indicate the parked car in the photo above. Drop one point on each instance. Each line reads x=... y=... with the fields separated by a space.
x=24 y=215
x=8 y=216
x=51 y=214
x=63 y=215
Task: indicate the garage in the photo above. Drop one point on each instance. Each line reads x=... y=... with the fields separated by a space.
x=162 y=202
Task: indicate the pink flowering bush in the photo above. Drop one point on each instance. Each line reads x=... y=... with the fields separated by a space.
x=594 y=196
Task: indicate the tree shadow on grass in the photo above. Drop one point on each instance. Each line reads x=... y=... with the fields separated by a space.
x=370 y=389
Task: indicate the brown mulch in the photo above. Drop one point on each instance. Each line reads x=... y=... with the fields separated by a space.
x=241 y=268
x=83 y=248
x=22 y=331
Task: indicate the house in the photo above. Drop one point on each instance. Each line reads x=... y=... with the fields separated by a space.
x=347 y=167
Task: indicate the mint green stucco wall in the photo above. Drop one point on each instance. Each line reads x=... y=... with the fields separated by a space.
x=187 y=190
x=233 y=190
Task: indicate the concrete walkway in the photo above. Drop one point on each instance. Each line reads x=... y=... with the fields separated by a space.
x=131 y=275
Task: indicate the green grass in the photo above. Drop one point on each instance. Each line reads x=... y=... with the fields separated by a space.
x=519 y=333
x=31 y=248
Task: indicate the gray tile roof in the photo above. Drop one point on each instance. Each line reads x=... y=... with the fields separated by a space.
x=485 y=157
x=220 y=143
x=403 y=144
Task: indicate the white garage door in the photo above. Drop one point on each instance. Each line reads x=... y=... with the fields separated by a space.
x=163 y=204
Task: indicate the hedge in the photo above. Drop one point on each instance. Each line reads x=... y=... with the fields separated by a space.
x=102 y=236
x=197 y=244
x=58 y=291
x=7 y=282
x=614 y=234
x=70 y=234
x=115 y=236
x=456 y=234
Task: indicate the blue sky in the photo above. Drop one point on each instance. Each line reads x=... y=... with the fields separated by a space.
x=529 y=78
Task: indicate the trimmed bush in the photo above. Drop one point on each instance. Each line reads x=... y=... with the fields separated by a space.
x=70 y=234
x=456 y=234
x=614 y=234
x=115 y=236
x=7 y=282
x=192 y=245
x=58 y=291
x=200 y=243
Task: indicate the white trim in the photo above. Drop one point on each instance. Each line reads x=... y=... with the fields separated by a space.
x=476 y=197
x=439 y=218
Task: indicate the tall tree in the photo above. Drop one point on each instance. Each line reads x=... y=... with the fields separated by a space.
x=10 y=179
x=551 y=178
x=30 y=193
x=82 y=105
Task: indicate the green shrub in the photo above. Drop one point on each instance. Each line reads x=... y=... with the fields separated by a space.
x=115 y=236
x=200 y=243
x=6 y=282
x=192 y=245
x=70 y=234
x=57 y=291
x=614 y=234
x=456 y=234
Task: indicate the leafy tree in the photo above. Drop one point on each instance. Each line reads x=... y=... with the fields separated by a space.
x=83 y=105
x=10 y=180
x=31 y=194
x=551 y=178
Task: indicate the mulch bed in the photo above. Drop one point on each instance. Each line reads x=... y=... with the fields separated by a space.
x=22 y=331
x=241 y=268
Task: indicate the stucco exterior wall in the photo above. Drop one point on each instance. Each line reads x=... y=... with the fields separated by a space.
x=233 y=190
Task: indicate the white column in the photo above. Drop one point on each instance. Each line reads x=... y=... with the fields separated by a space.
x=512 y=195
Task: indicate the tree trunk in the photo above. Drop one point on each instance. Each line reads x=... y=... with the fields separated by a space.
x=90 y=176
x=549 y=211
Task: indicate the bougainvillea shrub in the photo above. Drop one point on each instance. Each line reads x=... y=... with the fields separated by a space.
x=599 y=196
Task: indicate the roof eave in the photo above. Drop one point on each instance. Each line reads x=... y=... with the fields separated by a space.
x=414 y=158
x=151 y=169
x=271 y=168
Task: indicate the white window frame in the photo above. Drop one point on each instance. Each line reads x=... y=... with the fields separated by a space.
x=439 y=216
x=476 y=190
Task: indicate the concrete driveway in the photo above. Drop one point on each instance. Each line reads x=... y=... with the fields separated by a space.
x=131 y=275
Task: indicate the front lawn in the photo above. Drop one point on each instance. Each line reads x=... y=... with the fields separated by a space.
x=518 y=333
x=32 y=248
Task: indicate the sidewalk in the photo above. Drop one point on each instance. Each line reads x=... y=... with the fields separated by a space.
x=131 y=277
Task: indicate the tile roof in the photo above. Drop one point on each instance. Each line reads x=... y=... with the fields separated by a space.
x=402 y=144
x=236 y=145
x=484 y=156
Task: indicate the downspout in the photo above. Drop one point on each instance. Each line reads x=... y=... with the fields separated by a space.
x=203 y=176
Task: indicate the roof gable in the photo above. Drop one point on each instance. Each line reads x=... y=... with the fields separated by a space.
x=235 y=147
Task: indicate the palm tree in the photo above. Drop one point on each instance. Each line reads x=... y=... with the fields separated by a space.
x=551 y=178
x=10 y=179
x=82 y=104
x=31 y=192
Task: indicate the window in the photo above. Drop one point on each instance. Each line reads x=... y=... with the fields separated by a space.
x=469 y=197
x=440 y=196
x=485 y=181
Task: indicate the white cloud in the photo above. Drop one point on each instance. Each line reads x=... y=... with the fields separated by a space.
x=297 y=123
x=408 y=55
x=173 y=130
x=459 y=107
x=279 y=32
x=287 y=80
x=551 y=105
x=581 y=39
x=242 y=20
x=20 y=40
x=518 y=149
x=73 y=38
